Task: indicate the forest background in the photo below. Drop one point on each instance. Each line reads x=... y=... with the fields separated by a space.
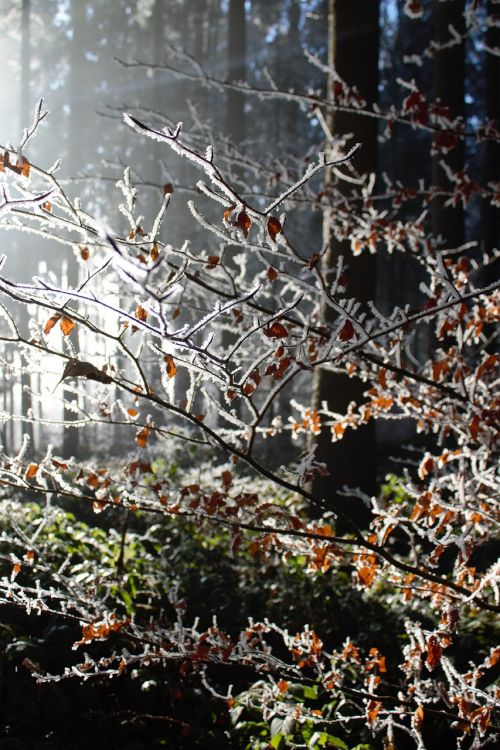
x=270 y=85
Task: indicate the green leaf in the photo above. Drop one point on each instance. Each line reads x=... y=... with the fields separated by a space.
x=336 y=742
x=276 y=741
x=311 y=692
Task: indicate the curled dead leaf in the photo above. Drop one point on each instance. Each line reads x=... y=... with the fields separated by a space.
x=276 y=331
x=213 y=261
x=67 y=325
x=142 y=437
x=49 y=325
x=77 y=369
x=347 y=331
x=243 y=222
x=171 y=366
x=31 y=471
x=274 y=228
x=272 y=274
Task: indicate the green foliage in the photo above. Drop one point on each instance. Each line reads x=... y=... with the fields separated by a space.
x=132 y=565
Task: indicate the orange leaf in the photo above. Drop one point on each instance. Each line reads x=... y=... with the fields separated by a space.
x=227 y=479
x=49 y=325
x=84 y=253
x=142 y=437
x=25 y=167
x=282 y=686
x=67 y=325
x=47 y=206
x=228 y=212
x=372 y=710
x=213 y=260
x=347 y=331
x=366 y=575
x=418 y=718
x=276 y=331
x=426 y=466
x=141 y=313
x=154 y=252
x=16 y=568
x=132 y=412
x=59 y=465
x=434 y=652
x=243 y=222
x=272 y=274
x=255 y=376
x=98 y=506
x=474 y=427
x=31 y=471
x=274 y=228
x=168 y=188
x=171 y=366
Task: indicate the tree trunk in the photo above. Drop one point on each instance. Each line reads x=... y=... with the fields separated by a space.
x=352 y=461
x=491 y=214
x=236 y=69
x=78 y=131
x=449 y=83
x=26 y=117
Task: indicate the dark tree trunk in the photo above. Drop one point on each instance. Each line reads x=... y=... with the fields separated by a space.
x=449 y=84
x=236 y=68
x=491 y=214
x=353 y=47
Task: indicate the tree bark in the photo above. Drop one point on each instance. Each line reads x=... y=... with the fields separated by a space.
x=26 y=117
x=78 y=129
x=491 y=214
x=353 y=38
x=449 y=87
x=236 y=69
